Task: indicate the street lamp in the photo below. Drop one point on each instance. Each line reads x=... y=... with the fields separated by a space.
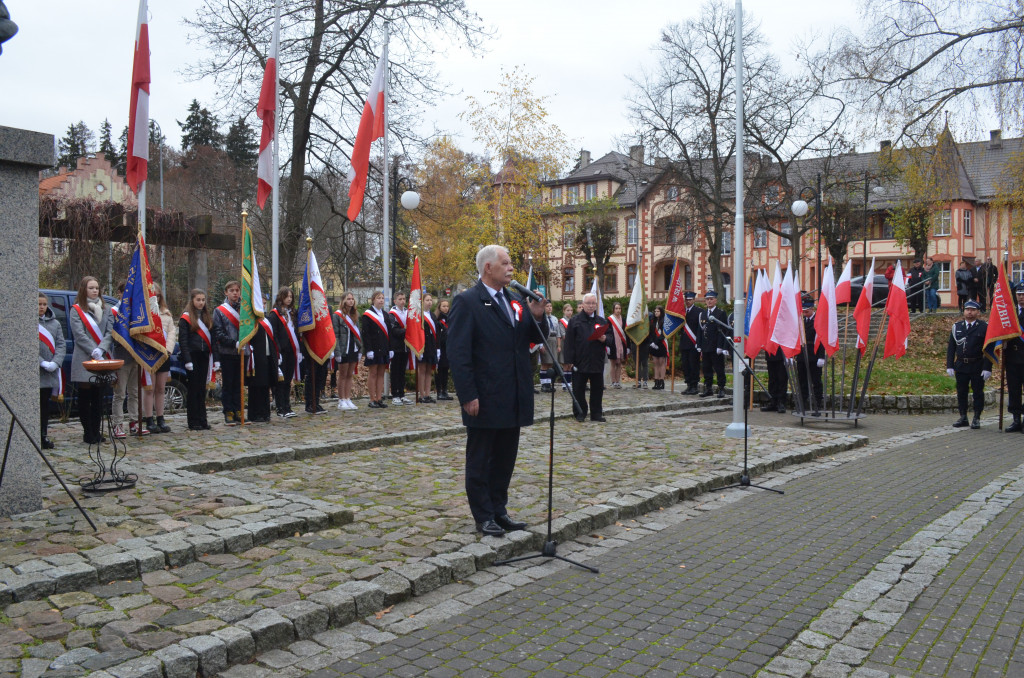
x=410 y=200
x=799 y=209
x=877 y=190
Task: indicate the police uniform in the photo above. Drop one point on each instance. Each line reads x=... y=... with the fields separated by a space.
x=713 y=338
x=1013 y=358
x=964 y=355
x=807 y=363
x=688 y=349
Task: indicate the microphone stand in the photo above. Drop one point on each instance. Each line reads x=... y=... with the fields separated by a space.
x=745 y=476
x=549 y=550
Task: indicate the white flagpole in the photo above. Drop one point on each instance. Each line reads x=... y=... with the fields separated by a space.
x=385 y=245
x=275 y=228
x=737 y=429
x=142 y=206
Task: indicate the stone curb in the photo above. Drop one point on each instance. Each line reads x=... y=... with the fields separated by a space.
x=270 y=629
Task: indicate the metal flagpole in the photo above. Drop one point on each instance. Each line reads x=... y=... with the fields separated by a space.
x=385 y=250
x=738 y=427
x=275 y=228
x=676 y=341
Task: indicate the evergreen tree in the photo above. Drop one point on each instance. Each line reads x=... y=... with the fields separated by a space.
x=199 y=129
x=107 y=147
x=122 y=155
x=241 y=144
x=76 y=143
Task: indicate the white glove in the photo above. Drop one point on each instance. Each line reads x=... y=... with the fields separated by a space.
x=653 y=345
x=97 y=353
x=789 y=361
x=280 y=374
x=438 y=354
x=216 y=365
x=188 y=367
x=821 y=362
x=280 y=360
x=698 y=349
x=359 y=356
x=48 y=365
x=985 y=374
x=722 y=351
x=950 y=372
x=236 y=345
x=369 y=355
x=391 y=355
x=607 y=350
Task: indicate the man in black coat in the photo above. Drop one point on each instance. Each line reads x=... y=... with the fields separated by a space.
x=966 y=362
x=489 y=351
x=714 y=344
x=587 y=357
x=778 y=381
x=810 y=363
x=1013 y=355
x=688 y=346
x=915 y=287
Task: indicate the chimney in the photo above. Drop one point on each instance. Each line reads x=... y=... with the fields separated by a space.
x=995 y=138
x=636 y=155
x=885 y=145
x=584 y=159
x=661 y=162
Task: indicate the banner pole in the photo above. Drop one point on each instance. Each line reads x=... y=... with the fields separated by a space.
x=674 y=342
x=1002 y=389
x=241 y=388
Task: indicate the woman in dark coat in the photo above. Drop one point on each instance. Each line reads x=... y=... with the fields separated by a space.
x=431 y=353
x=658 y=347
x=373 y=325
x=282 y=320
x=348 y=344
x=91 y=321
x=196 y=345
x=442 y=343
x=52 y=348
x=964 y=284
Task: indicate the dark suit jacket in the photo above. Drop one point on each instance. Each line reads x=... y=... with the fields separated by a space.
x=585 y=355
x=964 y=349
x=490 y=359
x=713 y=337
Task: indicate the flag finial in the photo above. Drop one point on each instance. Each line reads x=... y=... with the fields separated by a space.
x=309 y=243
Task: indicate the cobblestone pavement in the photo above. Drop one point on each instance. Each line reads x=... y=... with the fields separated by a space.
x=226 y=551
x=725 y=586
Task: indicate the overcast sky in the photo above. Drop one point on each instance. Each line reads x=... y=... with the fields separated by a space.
x=71 y=60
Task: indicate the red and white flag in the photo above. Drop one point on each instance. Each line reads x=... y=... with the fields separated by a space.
x=770 y=347
x=862 y=313
x=843 y=287
x=414 y=336
x=786 y=333
x=137 y=164
x=758 y=316
x=314 y=316
x=266 y=110
x=896 y=308
x=371 y=127
x=826 y=320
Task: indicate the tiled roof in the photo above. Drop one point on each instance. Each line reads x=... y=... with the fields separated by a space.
x=52 y=183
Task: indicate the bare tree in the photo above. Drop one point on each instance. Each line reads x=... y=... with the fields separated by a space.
x=328 y=50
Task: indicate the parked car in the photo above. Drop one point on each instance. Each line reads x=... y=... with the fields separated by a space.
x=61 y=302
x=879 y=293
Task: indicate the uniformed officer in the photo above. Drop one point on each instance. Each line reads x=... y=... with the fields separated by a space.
x=689 y=349
x=713 y=344
x=1013 y=355
x=810 y=363
x=966 y=361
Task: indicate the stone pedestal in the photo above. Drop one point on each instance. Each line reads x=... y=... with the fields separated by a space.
x=22 y=155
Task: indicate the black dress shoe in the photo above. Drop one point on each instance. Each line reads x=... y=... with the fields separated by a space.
x=707 y=393
x=506 y=523
x=780 y=408
x=960 y=423
x=489 y=528
x=768 y=408
x=1014 y=427
x=47 y=444
x=598 y=419
x=976 y=423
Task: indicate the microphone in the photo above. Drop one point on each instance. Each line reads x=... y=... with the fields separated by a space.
x=719 y=322
x=525 y=291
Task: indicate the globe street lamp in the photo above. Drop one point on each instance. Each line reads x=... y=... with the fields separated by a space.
x=877 y=190
x=410 y=200
x=799 y=209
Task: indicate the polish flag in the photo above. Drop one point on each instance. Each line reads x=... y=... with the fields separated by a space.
x=843 y=293
x=786 y=333
x=138 y=115
x=371 y=127
x=826 y=321
x=266 y=110
x=415 y=337
x=770 y=346
x=758 y=316
x=896 y=308
x=862 y=313
x=314 y=315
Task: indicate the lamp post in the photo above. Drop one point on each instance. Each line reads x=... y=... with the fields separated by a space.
x=410 y=200
x=799 y=209
x=877 y=190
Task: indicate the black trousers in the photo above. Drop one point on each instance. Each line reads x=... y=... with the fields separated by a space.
x=642 y=351
x=441 y=379
x=691 y=366
x=916 y=301
x=195 y=403
x=778 y=381
x=260 y=385
x=283 y=389
x=816 y=387
x=44 y=411
x=579 y=385
x=398 y=365
x=970 y=380
x=90 y=411
x=231 y=383
x=490 y=460
x=713 y=364
x=1015 y=385
x=320 y=374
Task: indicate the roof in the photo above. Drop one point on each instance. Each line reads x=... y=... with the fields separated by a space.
x=634 y=180
x=52 y=183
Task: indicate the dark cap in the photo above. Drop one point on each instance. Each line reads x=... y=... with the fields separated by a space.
x=972 y=304
x=808 y=302
x=711 y=294
x=1020 y=287
x=693 y=295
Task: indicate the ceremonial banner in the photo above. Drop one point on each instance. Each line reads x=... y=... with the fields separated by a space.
x=786 y=333
x=862 y=312
x=770 y=347
x=637 y=323
x=595 y=289
x=898 y=332
x=826 y=320
x=415 y=339
x=1002 y=320
x=137 y=325
x=760 y=307
x=675 y=304
x=251 y=310
x=314 y=318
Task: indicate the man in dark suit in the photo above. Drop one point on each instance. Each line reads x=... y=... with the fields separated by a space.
x=587 y=357
x=810 y=363
x=966 y=362
x=1013 y=354
x=714 y=344
x=688 y=347
x=489 y=340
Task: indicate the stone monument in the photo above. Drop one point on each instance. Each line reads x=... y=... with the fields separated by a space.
x=22 y=155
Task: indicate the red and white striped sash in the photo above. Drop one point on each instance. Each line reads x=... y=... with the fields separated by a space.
x=49 y=342
x=91 y=326
x=378 y=320
x=230 y=313
x=293 y=340
x=397 y=316
x=204 y=332
x=430 y=323
x=618 y=329
x=350 y=324
x=565 y=323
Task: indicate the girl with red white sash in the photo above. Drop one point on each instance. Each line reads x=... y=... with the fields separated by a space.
x=619 y=346
x=346 y=349
x=153 y=398
x=196 y=344
x=51 y=358
x=431 y=353
x=659 y=347
x=91 y=321
x=563 y=326
x=282 y=319
x=225 y=352
x=442 y=343
x=373 y=327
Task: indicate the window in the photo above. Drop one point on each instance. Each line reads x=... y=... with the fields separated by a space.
x=588 y=277
x=632 y=236
x=672 y=193
x=667 y=274
x=330 y=284
x=687 y=277
x=569 y=237
x=590 y=191
x=726 y=243
x=666 y=233
x=967 y=222
x=786 y=228
x=630 y=276
x=615 y=233
x=944 y=223
x=760 y=237
x=772 y=196
x=556 y=196
x=58 y=246
x=574 y=195
x=611 y=279
x=1017 y=270
x=944 y=279
x=888 y=231
x=568 y=281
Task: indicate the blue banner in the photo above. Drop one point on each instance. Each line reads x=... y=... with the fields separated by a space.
x=136 y=327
